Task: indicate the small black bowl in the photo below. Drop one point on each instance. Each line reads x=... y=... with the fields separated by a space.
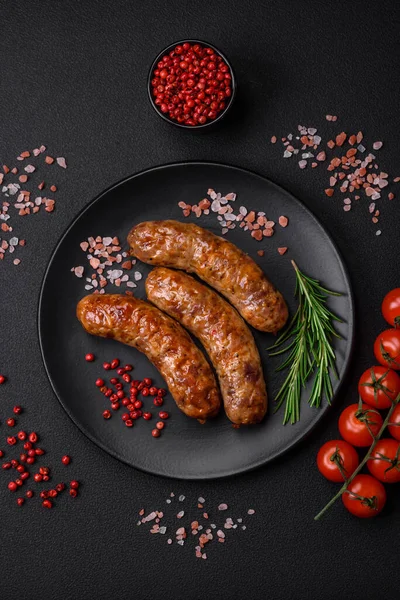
x=209 y=124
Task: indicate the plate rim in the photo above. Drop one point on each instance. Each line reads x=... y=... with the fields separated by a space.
x=347 y=358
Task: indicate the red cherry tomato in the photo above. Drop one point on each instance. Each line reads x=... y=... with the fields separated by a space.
x=387 y=348
x=379 y=387
x=365 y=497
x=394 y=425
x=335 y=454
x=384 y=463
x=391 y=307
x=353 y=424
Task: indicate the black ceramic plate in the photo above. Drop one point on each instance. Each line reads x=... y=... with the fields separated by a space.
x=186 y=448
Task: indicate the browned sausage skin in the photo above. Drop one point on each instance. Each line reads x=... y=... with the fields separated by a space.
x=218 y=262
x=223 y=333
x=165 y=343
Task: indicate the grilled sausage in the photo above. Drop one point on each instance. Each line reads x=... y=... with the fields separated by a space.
x=215 y=260
x=165 y=343
x=223 y=333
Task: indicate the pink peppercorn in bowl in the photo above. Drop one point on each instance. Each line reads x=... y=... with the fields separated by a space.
x=185 y=91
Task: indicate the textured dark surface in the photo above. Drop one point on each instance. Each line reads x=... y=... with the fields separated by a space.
x=73 y=76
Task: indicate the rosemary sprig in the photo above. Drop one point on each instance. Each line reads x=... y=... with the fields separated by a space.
x=308 y=339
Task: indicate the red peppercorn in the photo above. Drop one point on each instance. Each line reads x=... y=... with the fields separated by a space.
x=20 y=501
x=33 y=437
x=20 y=468
x=114 y=380
x=99 y=382
x=38 y=477
x=115 y=405
x=11 y=440
x=153 y=391
x=25 y=475
x=74 y=484
x=30 y=460
x=108 y=393
x=46 y=478
x=106 y=414
x=126 y=377
x=6 y=465
x=145 y=391
x=12 y=486
x=66 y=459
x=161 y=392
x=125 y=401
x=129 y=423
x=39 y=451
x=147 y=381
x=19 y=482
x=106 y=366
x=158 y=401
x=10 y=422
x=140 y=386
x=27 y=445
x=119 y=386
x=147 y=416
x=44 y=494
x=17 y=410
x=114 y=398
x=31 y=452
x=2 y=379
x=73 y=493
x=125 y=416
x=47 y=504
x=128 y=368
x=120 y=371
x=155 y=433
x=120 y=394
x=134 y=391
x=137 y=404
x=29 y=494
x=53 y=493
x=160 y=425
x=115 y=363
x=89 y=357
x=23 y=457
x=135 y=414
x=60 y=487
x=1 y=453
x=163 y=414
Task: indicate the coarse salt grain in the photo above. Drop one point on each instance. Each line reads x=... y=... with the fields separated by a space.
x=222 y=506
x=61 y=162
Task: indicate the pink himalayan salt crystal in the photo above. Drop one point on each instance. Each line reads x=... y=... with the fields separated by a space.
x=283 y=221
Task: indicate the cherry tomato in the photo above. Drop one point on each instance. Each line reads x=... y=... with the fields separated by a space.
x=391 y=307
x=353 y=424
x=394 y=426
x=335 y=453
x=385 y=461
x=387 y=348
x=379 y=387
x=365 y=496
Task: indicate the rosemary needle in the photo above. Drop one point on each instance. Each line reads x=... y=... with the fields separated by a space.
x=308 y=342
